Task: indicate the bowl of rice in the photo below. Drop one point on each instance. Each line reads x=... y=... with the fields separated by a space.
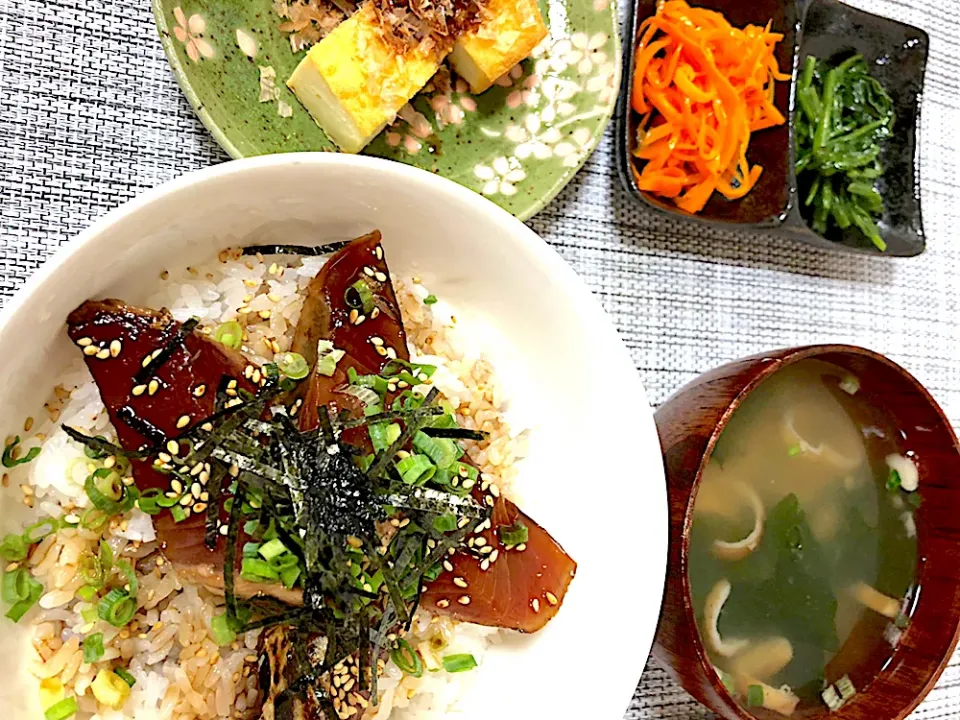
x=522 y=352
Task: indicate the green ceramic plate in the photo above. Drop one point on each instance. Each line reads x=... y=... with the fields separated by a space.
x=518 y=143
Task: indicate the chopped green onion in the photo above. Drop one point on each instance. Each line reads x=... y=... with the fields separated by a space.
x=442 y=451
x=28 y=589
x=445 y=523
x=92 y=452
x=117 y=607
x=14 y=548
x=125 y=676
x=430 y=299
x=93 y=519
x=9 y=461
x=359 y=296
x=514 y=534
x=893 y=480
x=273 y=549
x=257 y=570
x=372 y=382
x=229 y=334
x=149 y=501
x=61 y=710
x=914 y=500
x=327 y=358
x=293 y=365
x=221 y=630
x=250 y=527
x=126 y=569
x=91 y=570
x=89 y=614
x=48 y=525
x=755 y=696
x=289 y=576
x=14 y=586
x=86 y=592
x=168 y=502
x=407 y=659
x=459 y=663
x=178 y=513
x=794 y=450
x=107 y=492
x=416 y=469
x=93 y=647
x=106 y=556
x=383 y=435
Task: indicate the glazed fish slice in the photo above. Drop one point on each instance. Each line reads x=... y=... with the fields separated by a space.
x=157 y=380
x=519 y=588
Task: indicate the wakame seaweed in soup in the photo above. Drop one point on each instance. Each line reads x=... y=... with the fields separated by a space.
x=803 y=550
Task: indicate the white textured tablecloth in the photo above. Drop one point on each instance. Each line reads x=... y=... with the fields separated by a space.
x=90 y=115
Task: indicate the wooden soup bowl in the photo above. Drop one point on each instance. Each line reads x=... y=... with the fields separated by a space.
x=690 y=422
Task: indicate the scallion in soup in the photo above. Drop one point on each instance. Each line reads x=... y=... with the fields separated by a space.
x=803 y=548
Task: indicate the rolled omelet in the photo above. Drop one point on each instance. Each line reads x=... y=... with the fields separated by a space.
x=509 y=32
x=354 y=83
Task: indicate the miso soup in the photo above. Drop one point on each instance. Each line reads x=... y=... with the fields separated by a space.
x=803 y=549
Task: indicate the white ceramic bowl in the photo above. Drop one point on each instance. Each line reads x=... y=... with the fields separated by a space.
x=594 y=476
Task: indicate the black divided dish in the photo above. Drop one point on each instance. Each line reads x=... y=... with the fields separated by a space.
x=828 y=29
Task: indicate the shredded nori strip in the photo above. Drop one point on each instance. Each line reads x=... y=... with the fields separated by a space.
x=308 y=489
x=306 y=250
x=105 y=447
x=144 y=427
x=455 y=433
x=424 y=412
x=166 y=352
x=230 y=554
x=214 y=487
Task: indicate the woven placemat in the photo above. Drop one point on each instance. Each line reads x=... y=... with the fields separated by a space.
x=90 y=116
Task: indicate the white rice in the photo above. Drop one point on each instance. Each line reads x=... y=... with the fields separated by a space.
x=180 y=671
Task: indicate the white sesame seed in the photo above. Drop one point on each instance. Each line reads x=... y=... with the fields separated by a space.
x=494 y=555
x=186 y=500
x=464 y=600
x=103 y=354
x=551 y=598
x=196 y=489
x=248 y=371
x=173 y=447
x=176 y=486
x=224 y=530
x=379 y=252
x=535 y=604
x=375 y=313
x=369 y=271
x=139 y=390
x=90 y=350
x=443 y=603
x=199 y=507
x=153 y=387
x=163 y=457
x=485 y=564
x=381 y=277
x=391 y=353
x=480 y=541
x=199 y=390
x=494 y=490
x=459 y=582
x=115 y=347
x=183 y=421
x=84 y=341
x=521 y=547
x=448 y=566
x=381 y=351
x=376 y=340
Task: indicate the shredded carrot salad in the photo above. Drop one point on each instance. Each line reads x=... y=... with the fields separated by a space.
x=702 y=86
